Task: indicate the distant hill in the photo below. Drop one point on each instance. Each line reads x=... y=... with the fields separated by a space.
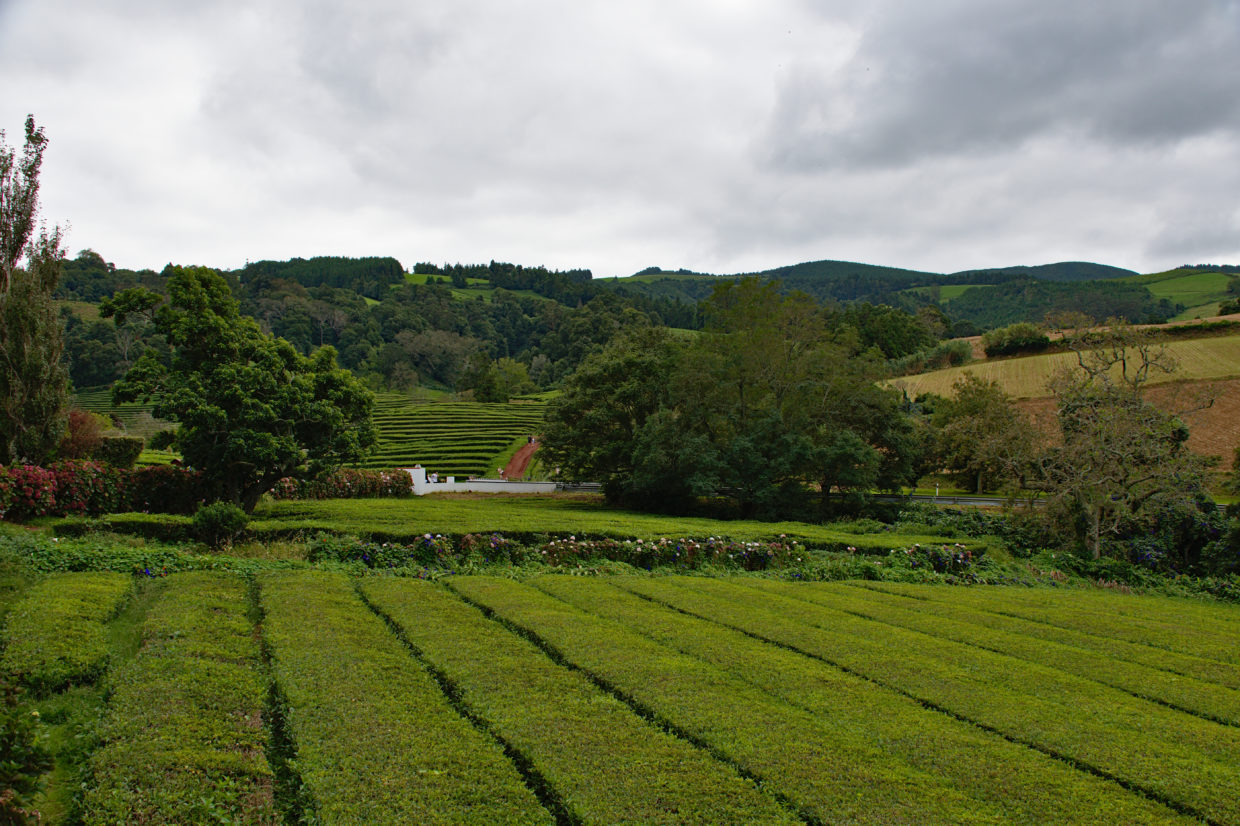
x=1063 y=271
x=850 y=281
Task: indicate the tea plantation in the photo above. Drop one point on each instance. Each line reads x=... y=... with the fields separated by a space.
x=451 y=438
x=311 y=695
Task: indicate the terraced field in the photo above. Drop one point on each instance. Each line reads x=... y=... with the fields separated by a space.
x=134 y=417
x=652 y=700
x=451 y=438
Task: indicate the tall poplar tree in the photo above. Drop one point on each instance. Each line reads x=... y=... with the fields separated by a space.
x=33 y=380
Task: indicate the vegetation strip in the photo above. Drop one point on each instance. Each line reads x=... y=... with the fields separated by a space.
x=606 y=764
x=938 y=600
x=376 y=740
x=824 y=769
x=56 y=635
x=1028 y=786
x=1186 y=694
x=1181 y=760
x=1182 y=637
x=183 y=734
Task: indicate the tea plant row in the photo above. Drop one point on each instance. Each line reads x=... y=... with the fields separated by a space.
x=673 y=699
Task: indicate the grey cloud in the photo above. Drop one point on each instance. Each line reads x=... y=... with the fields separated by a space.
x=960 y=77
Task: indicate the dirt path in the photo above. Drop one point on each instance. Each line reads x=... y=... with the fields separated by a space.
x=519 y=461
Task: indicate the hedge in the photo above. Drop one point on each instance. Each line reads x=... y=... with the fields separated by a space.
x=960 y=603
x=824 y=770
x=375 y=740
x=91 y=488
x=602 y=762
x=1199 y=697
x=56 y=635
x=1029 y=786
x=1184 y=761
x=183 y=740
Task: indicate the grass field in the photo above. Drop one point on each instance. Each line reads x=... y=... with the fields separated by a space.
x=639 y=699
x=1026 y=378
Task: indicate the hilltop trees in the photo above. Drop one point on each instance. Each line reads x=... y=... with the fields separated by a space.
x=251 y=408
x=32 y=378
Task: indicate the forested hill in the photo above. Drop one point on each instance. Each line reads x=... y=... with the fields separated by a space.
x=851 y=281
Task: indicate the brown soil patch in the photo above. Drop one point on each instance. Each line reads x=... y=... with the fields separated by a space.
x=1213 y=430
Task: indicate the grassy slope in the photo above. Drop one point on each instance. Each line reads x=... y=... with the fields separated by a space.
x=580 y=515
x=1026 y=378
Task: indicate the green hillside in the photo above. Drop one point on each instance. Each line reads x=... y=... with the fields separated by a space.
x=1199 y=291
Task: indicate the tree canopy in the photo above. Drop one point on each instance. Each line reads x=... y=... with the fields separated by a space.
x=33 y=380
x=768 y=406
x=251 y=409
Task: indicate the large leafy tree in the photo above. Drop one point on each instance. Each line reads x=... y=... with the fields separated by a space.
x=1121 y=461
x=759 y=409
x=33 y=381
x=251 y=408
x=981 y=436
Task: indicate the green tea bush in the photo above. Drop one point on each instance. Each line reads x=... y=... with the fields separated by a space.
x=23 y=758
x=219 y=524
x=182 y=737
x=605 y=763
x=56 y=635
x=375 y=738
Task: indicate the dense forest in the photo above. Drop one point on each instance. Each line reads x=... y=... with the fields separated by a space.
x=502 y=329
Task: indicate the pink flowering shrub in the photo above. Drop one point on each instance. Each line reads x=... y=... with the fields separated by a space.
x=90 y=489
x=346 y=483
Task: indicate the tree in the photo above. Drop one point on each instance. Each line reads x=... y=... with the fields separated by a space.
x=591 y=428
x=980 y=436
x=33 y=380
x=251 y=408
x=1121 y=460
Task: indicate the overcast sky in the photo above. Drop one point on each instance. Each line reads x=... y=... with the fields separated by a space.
x=716 y=135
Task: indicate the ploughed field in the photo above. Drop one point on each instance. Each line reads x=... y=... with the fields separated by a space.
x=307 y=695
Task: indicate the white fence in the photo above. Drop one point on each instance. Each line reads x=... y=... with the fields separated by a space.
x=423 y=486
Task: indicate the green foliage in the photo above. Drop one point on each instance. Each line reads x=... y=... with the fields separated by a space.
x=251 y=409
x=1028 y=787
x=118 y=451
x=368 y=729
x=219 y=524
x=33 y=380
x=757 y=411
x=371 y=277
x=981 y=437
x=600 y=759
x=1033 y=300
x=182 y=737
x=1162 y=753
x=23 y=758
x=56 y=634
x=1019 y=338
